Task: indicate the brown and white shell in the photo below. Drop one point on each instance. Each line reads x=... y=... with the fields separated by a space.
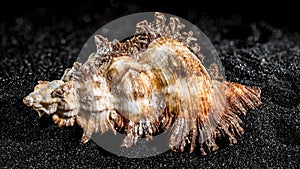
x=144 y=86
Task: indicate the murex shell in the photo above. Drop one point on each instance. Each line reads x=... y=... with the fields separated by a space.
x=145 y=85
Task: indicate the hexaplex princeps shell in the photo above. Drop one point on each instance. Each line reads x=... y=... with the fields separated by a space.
x=145 y=85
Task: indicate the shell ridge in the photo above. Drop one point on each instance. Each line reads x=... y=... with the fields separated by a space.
x=229 y=126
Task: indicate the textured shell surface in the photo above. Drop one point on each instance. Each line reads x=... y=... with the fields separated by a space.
x=145 y=85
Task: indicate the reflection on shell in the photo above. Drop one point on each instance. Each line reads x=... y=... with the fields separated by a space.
x=145 y=85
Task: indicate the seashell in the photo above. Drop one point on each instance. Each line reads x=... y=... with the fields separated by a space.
x=145 y=85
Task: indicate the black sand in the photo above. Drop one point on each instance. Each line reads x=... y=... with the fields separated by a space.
x=38 y=44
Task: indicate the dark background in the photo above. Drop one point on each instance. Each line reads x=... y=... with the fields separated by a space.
x=259 y=44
